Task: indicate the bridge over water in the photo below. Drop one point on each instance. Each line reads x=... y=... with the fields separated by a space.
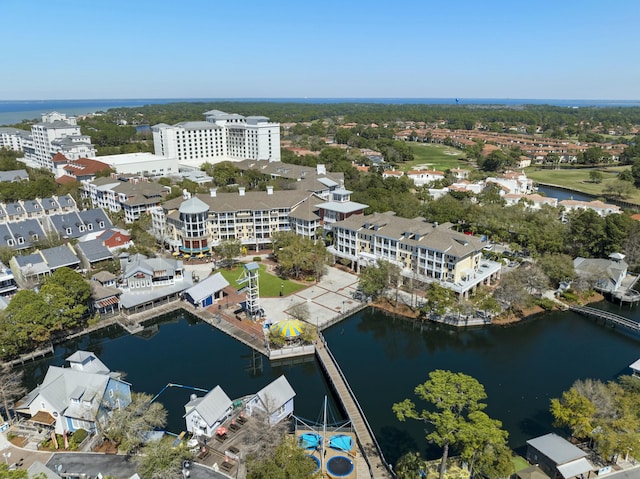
x=610 y=318
x=371 y=459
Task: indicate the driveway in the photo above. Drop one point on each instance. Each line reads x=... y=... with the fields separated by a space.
x=123 y=467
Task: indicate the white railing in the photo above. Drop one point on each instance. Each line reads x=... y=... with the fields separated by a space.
x=288 y=352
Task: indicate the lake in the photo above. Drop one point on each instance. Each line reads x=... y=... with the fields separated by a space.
x=521 y=366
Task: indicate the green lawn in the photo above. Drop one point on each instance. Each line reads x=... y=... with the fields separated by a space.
x=437 y=157
x=579 y=180
x=519 y=463
x=269 y=284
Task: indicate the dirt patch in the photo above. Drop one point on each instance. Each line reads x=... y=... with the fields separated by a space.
x=107 y=447
x=18 y=441
x=400 y=309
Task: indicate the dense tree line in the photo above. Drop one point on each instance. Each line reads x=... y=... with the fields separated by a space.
x=605 y=414
x=457 y=116
x=32 y=317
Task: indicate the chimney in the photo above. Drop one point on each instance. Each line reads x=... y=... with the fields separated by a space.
x=213 y=192
x=321 y=170
x=269 y=190
x=241 y=190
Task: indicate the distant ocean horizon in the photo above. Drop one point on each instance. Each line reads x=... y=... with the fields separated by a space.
x=14 y=111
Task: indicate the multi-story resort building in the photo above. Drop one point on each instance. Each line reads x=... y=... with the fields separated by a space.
x=15 y=139
x=57 y=133
x=221 y=137
x=133 y=195
x=424 y=252
x=196 y=224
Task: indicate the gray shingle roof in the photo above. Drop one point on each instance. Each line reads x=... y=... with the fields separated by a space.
x=415 y=232
x=252 y=201
x=68 y=224
x=26 y=229
x=94 y=250
x=212 y=406
x=59 y=257
x=14 y=175
x=276 y=394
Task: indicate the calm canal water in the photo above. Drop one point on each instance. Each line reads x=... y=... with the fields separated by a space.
x=521 y=366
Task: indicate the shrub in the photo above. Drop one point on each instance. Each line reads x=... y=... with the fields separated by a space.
x=257 y=258
x=77 y=438
x=570 y=296
x=546 y=304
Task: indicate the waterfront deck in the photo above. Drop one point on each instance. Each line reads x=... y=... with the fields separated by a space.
x=370 y=463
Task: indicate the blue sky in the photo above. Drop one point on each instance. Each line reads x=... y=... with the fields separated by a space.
x=73 y=49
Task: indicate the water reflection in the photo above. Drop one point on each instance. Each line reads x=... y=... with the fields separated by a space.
x=384 y=358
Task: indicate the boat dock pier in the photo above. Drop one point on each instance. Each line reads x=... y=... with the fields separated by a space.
x=370 y=459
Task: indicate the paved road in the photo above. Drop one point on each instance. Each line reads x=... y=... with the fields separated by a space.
x=122 y=467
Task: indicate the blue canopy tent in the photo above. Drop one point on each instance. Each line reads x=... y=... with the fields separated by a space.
x=341 y=442
x=309 y=440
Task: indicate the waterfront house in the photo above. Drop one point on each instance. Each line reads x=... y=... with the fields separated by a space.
x=203 y=415
x=207 y=291
x=148 y=282
x=557 y=457
x=608 y=274
x=275 y=400
x=80 y=396
x=104 y=299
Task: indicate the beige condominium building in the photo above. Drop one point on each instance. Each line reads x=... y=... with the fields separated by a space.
x=196 y=224
x=424 y=252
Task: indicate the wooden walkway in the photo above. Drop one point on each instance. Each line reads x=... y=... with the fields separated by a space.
x=370 y=462
x=607 y=316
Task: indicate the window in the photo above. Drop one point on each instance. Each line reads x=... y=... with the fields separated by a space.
x=68 y=231
x=20 y=240
x=90 y=227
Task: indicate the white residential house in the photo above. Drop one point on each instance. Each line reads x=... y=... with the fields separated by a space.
x=80 y=396
x=203 y=415
x=513 y=182
x=603 y=209
x=533 y=201
x=459 y=173
x=424 y=177
x=392 y=174
x=275 y=400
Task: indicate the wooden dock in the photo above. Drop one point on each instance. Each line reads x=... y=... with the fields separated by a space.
x=370 y=461
x=608 y=317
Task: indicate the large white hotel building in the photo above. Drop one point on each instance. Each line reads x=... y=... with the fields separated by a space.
x=221 y=137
